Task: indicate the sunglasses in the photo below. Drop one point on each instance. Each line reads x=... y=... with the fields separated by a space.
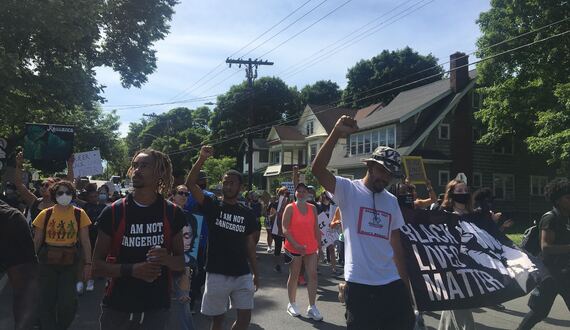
x=60 y=193
x=183 y=193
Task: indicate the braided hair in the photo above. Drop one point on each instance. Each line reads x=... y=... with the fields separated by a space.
x=162 y=169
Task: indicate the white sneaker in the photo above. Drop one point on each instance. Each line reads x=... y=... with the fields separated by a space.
x=79 y=288
x=313 y=312
x=90 y=285
x=292 y=309
x=269 y=250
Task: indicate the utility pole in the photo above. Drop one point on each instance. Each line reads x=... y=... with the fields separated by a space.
x=250 y=74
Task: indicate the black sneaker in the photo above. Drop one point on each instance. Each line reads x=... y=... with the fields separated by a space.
x=277 y=268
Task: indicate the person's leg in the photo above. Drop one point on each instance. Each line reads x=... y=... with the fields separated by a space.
x=48 y=296
x=269 y=238
x=243 y=319
x=155 y=320
x=216 y=297
x=395 y=307
x=217 y=322
x=67 y=297
x=540 y=303
x=359 y=313
x=310 y=263
x=278 y=241
x=113 y=320
x=331 y=253
x=294 y=268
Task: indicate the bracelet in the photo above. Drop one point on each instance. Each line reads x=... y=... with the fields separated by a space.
x=126 y=270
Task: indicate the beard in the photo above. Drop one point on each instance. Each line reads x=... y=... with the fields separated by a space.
x=227 y=194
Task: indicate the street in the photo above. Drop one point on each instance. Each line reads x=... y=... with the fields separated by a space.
x=271 y=302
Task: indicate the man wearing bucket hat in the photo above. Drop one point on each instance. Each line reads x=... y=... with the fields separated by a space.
x=376 y=294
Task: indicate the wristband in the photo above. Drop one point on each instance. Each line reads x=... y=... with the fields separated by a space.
x=126 y=270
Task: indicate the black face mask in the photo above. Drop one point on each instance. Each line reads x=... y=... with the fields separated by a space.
x=406 y=201
x=461 y=198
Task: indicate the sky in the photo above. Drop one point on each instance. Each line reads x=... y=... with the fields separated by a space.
x=321 y=40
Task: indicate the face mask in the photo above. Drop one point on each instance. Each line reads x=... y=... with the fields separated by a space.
x=103 y=197
x=406 y=201
x=461 y=198
x=64 y=199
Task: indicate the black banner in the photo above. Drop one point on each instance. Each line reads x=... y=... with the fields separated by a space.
x=48 y=142
x=458 y=262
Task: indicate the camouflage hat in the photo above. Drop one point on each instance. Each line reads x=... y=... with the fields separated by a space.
x=389 y=158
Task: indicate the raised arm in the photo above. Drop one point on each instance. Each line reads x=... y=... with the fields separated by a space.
x=345 y=125
x=70 y=176
x=28 y=197
x=192 y=178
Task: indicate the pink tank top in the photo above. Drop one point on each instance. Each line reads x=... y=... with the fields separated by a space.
x=302 y=228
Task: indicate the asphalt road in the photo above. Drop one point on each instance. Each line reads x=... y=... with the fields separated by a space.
x=271 y=302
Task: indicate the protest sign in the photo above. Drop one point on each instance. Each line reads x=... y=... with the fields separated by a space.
x=48 y=142
x=414 y=168
x=191 y=235
x=87 y=163
x=328 y=235
x=289 y=185
x=458 y=262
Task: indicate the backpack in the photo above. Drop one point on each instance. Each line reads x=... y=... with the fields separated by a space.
x=531 y=238
x=76 y=212
x=118 y=222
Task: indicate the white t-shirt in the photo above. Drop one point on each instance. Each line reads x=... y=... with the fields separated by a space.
x=368 y=253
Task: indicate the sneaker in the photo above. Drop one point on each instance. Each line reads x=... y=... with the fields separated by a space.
x=292 y=309
x=269 y=249
x=313 y=312
x=277 y=268
x=79 y=288
x=301 y=280
x=90 y=285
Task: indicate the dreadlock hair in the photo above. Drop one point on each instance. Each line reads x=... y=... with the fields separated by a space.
x=162 y=169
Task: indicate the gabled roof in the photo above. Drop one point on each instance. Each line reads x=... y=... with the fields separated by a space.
x=328 y=115
x=410 y=102
x=365 y=112
x=289 y=133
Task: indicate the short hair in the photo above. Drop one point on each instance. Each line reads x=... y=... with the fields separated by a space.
x=235 y=173
x=180 y=186
x=162 y=169
x=62 y=183
x=483 y=194
x=556 y=189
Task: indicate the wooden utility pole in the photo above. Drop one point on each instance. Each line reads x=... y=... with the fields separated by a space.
x=250 y=74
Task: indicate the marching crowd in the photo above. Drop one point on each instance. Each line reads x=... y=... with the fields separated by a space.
x=161 y=263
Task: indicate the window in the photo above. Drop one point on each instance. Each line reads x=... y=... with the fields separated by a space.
x=367 y=142
x=476 y=101
x=312 y=151
x=263 y=156
x=309 y=128
x=477 y=179
x=505 y=146
x=300 y=156
x=537 y=184
x=275 y=157
x=287 y=157
x=444 y=131
x=443 y=178
x=504 y=187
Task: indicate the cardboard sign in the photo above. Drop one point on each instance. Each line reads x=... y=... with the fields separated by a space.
x=415 y=171
x=48 y=142
x=289 y=185
x=87 y=163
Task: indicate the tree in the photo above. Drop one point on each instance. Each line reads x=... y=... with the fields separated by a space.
x=273 y=101
x=526 y=92
x=320 y=93
x=216 y=167
x=366 y=76
x=49 y=50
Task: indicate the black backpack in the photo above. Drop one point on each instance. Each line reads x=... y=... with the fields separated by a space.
x=531 y=238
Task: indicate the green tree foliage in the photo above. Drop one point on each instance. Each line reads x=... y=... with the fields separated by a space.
x=216 y=167
x=365 y=77
x=320 y=93
x=525 y=92
x=273 y=100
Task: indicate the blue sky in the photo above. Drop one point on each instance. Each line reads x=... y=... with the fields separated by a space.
x=204 y=33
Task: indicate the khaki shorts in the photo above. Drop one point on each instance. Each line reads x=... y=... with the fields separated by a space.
x=222 y=289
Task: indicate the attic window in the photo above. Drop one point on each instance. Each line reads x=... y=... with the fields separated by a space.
x=444 y=131
x=309 y=128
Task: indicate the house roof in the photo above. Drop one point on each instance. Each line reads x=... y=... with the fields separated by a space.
x=410 y=102
x=258 y=144
x=328 y=115
x=289 y=133
x=365 y=112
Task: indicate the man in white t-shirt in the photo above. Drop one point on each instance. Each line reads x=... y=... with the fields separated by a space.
x=377 y=292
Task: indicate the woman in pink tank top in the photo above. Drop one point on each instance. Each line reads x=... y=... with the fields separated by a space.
x=303 y=238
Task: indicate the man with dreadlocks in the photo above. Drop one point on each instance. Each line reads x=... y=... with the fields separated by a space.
x=139 y=243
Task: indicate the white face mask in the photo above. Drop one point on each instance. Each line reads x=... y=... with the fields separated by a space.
x=64 y=199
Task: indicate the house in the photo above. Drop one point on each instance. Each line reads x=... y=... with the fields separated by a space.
x=435 y=121
x=260 y=161
x=298 y=144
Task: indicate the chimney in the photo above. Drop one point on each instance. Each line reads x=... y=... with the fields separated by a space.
x=459 y=76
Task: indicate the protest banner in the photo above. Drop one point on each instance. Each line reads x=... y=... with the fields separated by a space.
x=289 y=185
x=414 y=169
x=458 y=262
x=48 y=142
x=87 y=163
x=328 y=235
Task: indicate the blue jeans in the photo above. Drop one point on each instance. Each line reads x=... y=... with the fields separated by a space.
x=180 y=316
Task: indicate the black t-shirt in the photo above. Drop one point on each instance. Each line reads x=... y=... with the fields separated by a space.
x=143 y=230
x=228 y=226
x=560 y=225
x=16 y=245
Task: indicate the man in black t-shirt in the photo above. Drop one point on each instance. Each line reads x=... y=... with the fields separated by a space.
x=18 y=259
x=138 y=244
x=555 y=252
x=231 y=244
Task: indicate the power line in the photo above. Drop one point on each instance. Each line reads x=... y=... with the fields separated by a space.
x=234 y=136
